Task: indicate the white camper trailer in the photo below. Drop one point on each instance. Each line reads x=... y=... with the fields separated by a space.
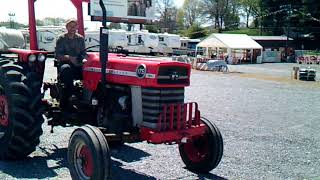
x=10 y=38
x=142 y=42
x=167 y=43
x=117 y=39
x=47 y=37
x=188 y=47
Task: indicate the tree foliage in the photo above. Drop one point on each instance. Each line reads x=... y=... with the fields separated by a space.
x=295 y=18
x=49 y=21
x=196 y=31
x=13 y=25
x=114 y=26
x=221 y=13
x=167 y=15
x=251 y=8
x=191 y=12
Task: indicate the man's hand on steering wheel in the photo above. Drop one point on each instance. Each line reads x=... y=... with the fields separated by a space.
x=75 y=61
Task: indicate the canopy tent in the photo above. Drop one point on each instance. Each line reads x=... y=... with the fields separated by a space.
x=231 y=42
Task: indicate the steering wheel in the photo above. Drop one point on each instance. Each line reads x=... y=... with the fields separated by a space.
x=86 y=49
x=118 y=49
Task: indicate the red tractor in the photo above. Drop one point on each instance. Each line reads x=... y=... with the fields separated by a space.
x=120 y=99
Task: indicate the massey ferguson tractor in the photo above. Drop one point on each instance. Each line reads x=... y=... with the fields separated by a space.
x=120 y=99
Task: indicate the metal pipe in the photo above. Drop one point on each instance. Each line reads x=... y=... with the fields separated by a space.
x=104 y=41
x=78 y=5
x=32 y=26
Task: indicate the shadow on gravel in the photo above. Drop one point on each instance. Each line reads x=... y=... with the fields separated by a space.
x=119 y=173
x=36 y=166
x=128 y=154
x=210 y=176
x=42 y=167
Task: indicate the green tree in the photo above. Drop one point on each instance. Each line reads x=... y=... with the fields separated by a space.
x=251 y=8
x=49 y=21
x=192 y=12
x=231 y=20
x=220 y=12
x=196 y=31
x=39 y=22
x=278 y=16
x=311 y=14
x=16 y=25
x=153 y=28
x=167 y=15
x=114 y=26
x=180 y=19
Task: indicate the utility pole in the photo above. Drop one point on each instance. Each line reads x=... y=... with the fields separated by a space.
x=289 y=13
x=260 y=18
x=260 y=25
x=11 y=19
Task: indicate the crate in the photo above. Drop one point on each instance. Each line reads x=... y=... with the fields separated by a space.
x=307 y=74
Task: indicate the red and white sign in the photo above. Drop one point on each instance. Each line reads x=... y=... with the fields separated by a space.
x=308 y=59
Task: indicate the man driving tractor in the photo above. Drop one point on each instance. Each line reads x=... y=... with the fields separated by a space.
x=70 y=51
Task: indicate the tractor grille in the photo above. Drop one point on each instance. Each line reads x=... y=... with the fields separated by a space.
x=154 y=99
x=173 y=75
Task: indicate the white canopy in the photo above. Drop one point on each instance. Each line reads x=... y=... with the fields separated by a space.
x=229 y=41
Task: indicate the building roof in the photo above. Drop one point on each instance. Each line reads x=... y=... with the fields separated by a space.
x=233 y=41
x=270 y=38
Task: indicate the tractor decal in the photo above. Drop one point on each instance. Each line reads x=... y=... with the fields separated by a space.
x=120 y=72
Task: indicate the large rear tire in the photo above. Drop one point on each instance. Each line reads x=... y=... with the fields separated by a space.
x=20 y=113
x=203 y=153
x=88 y=154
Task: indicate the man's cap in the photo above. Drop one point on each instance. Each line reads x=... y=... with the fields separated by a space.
x=70 y=21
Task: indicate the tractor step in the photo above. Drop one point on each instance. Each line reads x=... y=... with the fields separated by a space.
x=124 y=137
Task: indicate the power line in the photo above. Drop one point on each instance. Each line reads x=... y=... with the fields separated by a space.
x=308 y=15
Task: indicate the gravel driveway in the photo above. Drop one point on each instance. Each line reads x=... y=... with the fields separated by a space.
x=269 y=124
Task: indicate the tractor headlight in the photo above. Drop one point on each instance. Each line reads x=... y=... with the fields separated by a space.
x=41 y=57
x=32 y=58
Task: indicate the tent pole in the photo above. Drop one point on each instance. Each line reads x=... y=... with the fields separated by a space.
x=196 y=52
x=251 y=55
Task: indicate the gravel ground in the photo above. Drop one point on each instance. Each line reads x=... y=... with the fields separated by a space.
x=268 y=121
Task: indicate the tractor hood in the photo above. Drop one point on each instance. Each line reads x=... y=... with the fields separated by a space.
x=136 y=71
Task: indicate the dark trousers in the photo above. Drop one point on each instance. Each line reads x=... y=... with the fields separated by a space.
x=67 y=74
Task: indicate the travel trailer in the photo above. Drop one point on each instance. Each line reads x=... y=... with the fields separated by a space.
x=188 y=47
x=167 y=43
x=47 y=37
x=117 y=39
x=142 y=42
x=10 y=38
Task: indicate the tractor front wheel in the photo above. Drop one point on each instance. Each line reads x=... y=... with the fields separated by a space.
x=203 y=153
x=88 y=154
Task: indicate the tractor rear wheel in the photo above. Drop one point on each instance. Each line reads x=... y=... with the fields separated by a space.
x=203 y=153
x=88 y=154
x=20 y=113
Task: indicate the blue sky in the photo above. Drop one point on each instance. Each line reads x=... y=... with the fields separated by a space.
x=44 y=8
